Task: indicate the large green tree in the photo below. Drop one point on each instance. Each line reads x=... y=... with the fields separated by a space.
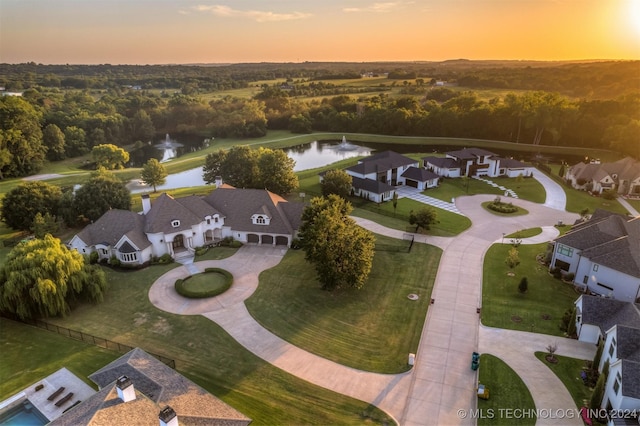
x=109 y=156
x=337 y=182
x=53 y=139
x=20 y=137
x=42 y=277
x=21 y=205
x=275 y=171
x=240 y=167
x=103 y=191
x=341 y=251
x=153 y=173
x=213 y=166
x=423 y=218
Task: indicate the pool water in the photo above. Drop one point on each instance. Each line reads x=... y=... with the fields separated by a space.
x=24 y=414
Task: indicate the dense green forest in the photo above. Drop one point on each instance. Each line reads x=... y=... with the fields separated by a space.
x=66 y=110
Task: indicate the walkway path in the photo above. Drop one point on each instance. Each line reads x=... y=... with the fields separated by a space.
x=633 y=212
x=417 y=195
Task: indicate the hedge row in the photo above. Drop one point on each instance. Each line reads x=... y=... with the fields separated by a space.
x=181 y=289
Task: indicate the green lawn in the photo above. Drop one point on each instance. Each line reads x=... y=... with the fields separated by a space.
x=568 y=371
x=507 y=391
x=372 y=329
x=30 y=354
x=205 y=282
x=527 y=189
x=525 y=233
x=540 y=309
x=203 y=352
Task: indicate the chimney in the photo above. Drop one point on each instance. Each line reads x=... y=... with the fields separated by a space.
x=146 y=204
x=125 y=389
x=168 y=417
x=218 y=181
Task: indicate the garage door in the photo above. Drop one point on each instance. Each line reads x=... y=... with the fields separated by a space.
x=267 y=239
x=253 y=238
x=412 y=183
x=282 y=241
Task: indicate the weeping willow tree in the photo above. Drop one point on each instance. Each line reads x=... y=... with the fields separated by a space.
x=42 y=277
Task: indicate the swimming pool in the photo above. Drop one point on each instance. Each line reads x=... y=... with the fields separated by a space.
x=24 y=414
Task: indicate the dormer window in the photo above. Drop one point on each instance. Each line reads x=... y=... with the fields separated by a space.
x=175 y=223
x=260 y=219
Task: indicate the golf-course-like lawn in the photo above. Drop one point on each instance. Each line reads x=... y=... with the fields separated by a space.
x=374 y=328
x=203 y=352
x=540 y=309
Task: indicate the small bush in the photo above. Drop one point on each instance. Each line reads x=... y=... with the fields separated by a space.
x=569 y=277
x=557 y=273
x=114 y=261
x=609 y=194
x=296 y=244
x=94 y=257
x=201 y=250
x=165 y=259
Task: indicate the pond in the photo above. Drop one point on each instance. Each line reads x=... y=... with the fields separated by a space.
x=308 y=156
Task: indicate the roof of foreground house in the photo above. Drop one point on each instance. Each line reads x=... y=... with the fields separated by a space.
x=442 y=162
x=284 y=216
x=611 y=240
x=372 y=186
x=381 y=162
x=156 y=386
x=112 y=225
x=419 y=174
x=605 y=313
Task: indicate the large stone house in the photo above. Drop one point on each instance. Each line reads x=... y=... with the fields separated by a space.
x=617 y=325
x=176 y=226
x=475 y=162
x=622 y=176
x=376 y=177
x=603 y=253
x=137 y=389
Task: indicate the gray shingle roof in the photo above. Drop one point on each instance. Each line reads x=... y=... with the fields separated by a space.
x=238 y=205
x=164 y=210
x=370 y=185
x=156 y=386
x=112 y=225
x=470 y=153
x=631 y=379
x=510 y=163
x=609 y=240
x=419 y=174
x=442 y=162
x=605 y=313
x=381 y=162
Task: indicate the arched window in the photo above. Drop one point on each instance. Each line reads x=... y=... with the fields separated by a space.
x=260 y=220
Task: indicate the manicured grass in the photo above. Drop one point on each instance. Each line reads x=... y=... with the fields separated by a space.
x=449 y=224
x=507 y=391
x=210 y=357
x=519 y=212
x=502 y=302
x=206 y=284
x=526 y=188
x=568 y=371
x=373 y=328
x=30 y=354
x=525 y=233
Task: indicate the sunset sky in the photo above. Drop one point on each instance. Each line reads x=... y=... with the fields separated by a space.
x=222 y=31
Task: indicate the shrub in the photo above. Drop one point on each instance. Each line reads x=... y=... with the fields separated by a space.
x=523 y=287
x=556 y=272
x=296 y=244
x=181 y=289
x=201 y=250
x=498 y=206
x=569 y=277
x=609 y=194
x=94 y=257
x=165 y=259
x=114 y=261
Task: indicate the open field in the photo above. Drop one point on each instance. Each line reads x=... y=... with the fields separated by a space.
x=203 y=352
x=372 y=329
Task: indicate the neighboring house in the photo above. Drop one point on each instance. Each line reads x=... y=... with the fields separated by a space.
x=476 y=162
x=617 y=324
x=604 y=254
x=622 y=176
x=138 y=389
x=177 y=226
x=375 y=177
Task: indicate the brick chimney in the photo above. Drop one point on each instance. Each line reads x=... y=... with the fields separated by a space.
x=146 y=203
x=125 y=389
x=168 y=417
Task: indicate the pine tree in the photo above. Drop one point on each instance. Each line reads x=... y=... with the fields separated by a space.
x=523 y=287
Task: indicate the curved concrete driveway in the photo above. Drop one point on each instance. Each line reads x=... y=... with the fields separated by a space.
x=556 y=197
